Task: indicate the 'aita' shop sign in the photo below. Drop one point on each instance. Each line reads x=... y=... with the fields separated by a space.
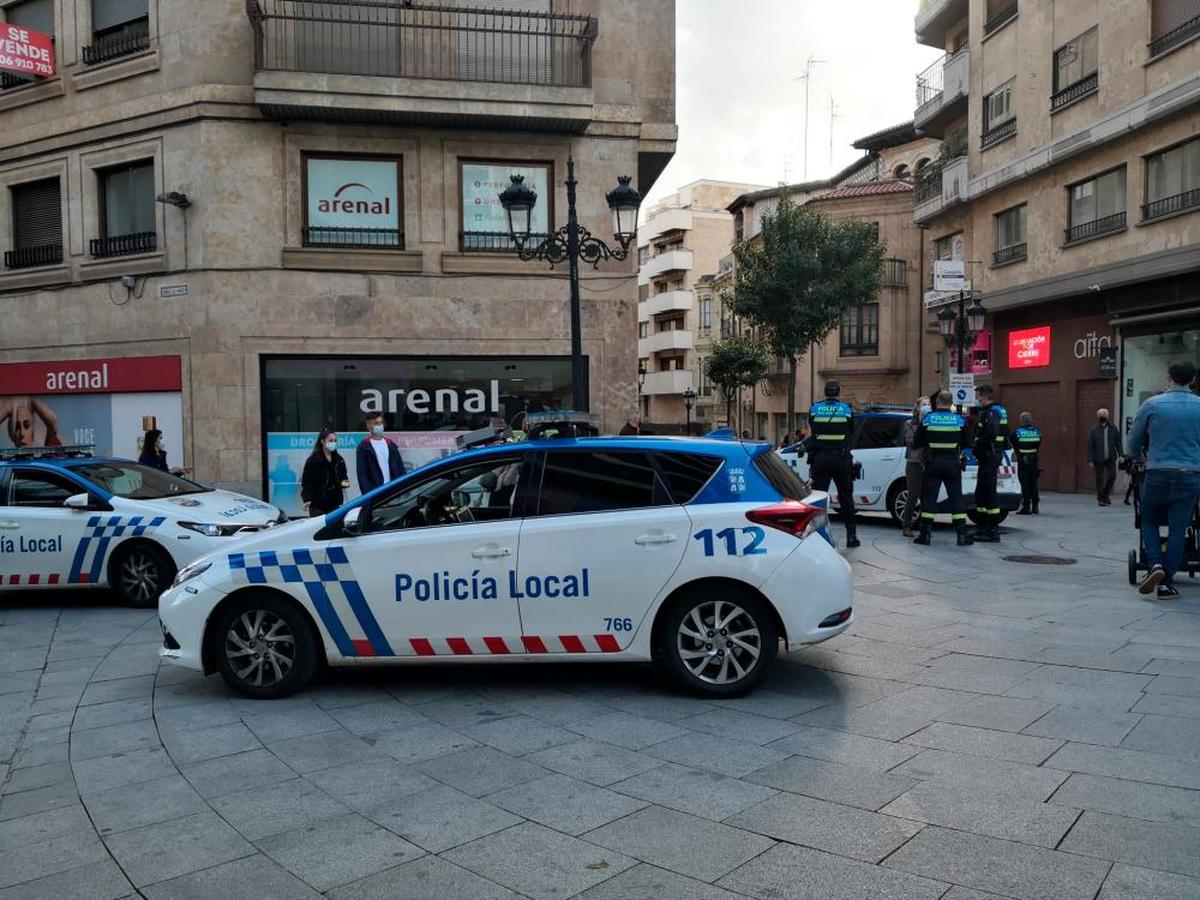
x=1090 y=345
x=421 y=401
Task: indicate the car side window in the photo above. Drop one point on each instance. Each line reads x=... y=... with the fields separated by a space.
x=40 y=489
x=879 y=433
x=686 y=473
x=480 y=491
x=578 y=481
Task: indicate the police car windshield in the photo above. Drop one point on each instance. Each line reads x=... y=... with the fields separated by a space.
x=133 y=481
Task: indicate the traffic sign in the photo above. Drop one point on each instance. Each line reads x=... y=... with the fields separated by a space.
x=962 y=388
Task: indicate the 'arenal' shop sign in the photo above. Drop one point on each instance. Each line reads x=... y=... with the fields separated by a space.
x=92 y=376
x=26 y=52
x=353 y=193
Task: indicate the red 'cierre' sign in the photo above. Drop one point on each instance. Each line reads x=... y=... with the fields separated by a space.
x=92 y=376
x=1030 y=348
x=26 y=52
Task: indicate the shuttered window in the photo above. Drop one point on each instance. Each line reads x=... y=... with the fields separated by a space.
x=1173 y=23
x=37 y=214
x=128 y=196
x=109 y=14
x=36 y=15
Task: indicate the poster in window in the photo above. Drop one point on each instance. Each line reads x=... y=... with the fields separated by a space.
x=481 y=187
x=350 y=200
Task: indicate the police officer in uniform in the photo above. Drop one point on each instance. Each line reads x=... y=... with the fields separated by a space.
x=991 y=439
x=1027 y=442
x=943 y=436
x=832 y=422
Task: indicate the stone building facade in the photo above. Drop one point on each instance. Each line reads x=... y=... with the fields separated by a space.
x=343 y=234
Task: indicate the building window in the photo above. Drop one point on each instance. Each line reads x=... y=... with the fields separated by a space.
x=1097 y=206
x=643 y=255
x=1173 y=23
x=901 y=172
x=739 y=226
x=119 y=28
x=706 y=314
x=860 y=330
x=353 y=202
x=484 y=221
x=706 y=389
x=999 y=121
x=999 y=13
x=36 y=15
x=643 y=329
x=1172 y=181
x=1075 y=69
x=674 y=324
x=1010 y=236
x=36 y=225
x=126 y=210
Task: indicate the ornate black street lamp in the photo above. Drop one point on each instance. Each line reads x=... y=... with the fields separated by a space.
x=573 y=243
x=961 y=327
x=689 y=400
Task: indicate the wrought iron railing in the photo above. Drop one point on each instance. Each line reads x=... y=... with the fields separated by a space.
x=895 y=273
x=494 y=241
x=124 y=244
x=389 y=238
x=1013 y=253
x=1175 y=37
x=1168 y=206
x=998 y=133
x=28 y=257
x=133 y=38
x=1096 y=228
x=1073 y=92
x=1000 y=19
x=12 y=80
x=929 y=183
x=369 y=37
x=931 y=83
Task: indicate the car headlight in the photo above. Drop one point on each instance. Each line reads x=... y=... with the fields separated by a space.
x=211 y=529
x=187 y=573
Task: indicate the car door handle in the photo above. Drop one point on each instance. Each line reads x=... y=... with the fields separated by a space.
x=655 y=537
x=890 y=458
x=491 y=552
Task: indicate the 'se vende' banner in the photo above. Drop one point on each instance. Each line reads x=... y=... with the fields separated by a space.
x=26 y=52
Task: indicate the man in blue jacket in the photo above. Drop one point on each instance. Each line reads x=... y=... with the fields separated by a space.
x=377 y=459
x=1171 y=485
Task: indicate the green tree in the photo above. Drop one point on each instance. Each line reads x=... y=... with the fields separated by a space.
x=735 y=363
x=796 y=279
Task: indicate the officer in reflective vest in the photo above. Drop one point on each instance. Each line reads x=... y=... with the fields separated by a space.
x=991 y=441
x=1027 y=443
x=831 y=422
x=943 y=435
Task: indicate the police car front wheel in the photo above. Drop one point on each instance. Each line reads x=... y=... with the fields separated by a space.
x=719 y=642
x=264 y=647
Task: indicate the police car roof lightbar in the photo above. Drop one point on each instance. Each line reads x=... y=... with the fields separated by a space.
x=561 y=423
x=64 y=450
x=481 y=437
x=887 y=407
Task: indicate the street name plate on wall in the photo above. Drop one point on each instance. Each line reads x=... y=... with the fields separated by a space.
x=167 y=291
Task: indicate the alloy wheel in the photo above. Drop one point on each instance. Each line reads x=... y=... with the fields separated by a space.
x=719 y=642
x=140 y=577
x=260 y=647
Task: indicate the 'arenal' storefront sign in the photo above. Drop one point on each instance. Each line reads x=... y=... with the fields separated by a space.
x=351 y=194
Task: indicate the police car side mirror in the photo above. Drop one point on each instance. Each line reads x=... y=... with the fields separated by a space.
x=78 y=501
x=352 y=522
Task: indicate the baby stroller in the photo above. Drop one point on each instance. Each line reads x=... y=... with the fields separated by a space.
x=1191 y=543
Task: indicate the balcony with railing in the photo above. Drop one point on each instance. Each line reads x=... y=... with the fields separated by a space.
x=127 y=40
x=895 y=274
x=939 y=186
x=357 y=238
x=672 y=381
x=668 y=301
x=942 y=91
x=423 y=64
x=1089 y=84
x=936 y=17
x=124 y=244
x=1010 y=254
x=29 y=257
x=677 y=260
x=1085 y=231
x=998 y=133
x=1170 y=206
x=1176 y=37
x=494 y=241
x=998 y=17
x=672 y=339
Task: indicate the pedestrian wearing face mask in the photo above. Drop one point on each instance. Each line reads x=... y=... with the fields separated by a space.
x=914 y=464
x=377 y=459
x=1104 y=449
x=154 y=453
x=324 y=481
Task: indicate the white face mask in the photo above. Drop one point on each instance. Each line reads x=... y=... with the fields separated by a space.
x=926 y=410
x=376 y=429
x=162 y=446
x=331 y=446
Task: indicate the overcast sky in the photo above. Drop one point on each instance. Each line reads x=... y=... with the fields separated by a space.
x=740 y=109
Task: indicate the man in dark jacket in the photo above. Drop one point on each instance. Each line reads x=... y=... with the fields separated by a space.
x=1103 y=451
x=377 y=458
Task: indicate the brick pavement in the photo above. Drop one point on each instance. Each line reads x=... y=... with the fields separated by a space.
x=994 y=729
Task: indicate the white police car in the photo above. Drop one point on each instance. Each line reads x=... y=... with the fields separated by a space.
x=877 y=444
x=698 y=554
x=82 y=520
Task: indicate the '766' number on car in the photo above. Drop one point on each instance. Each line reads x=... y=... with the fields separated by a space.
x=727 y=539
x=618 y=624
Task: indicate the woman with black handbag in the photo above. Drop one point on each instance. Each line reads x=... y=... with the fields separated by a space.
x=324 y=481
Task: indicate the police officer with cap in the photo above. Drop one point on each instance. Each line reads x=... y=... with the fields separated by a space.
x=943 y=435
x=991 y=439
x=832 y=422
x=1027 y=443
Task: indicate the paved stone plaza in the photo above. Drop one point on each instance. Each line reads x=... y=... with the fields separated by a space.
x=987 y=728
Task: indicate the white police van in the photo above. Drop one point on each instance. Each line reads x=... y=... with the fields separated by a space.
x=68 y=519
x=877 y=444
x=702 y=555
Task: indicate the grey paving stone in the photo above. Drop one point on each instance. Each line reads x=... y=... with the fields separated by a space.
x=1168 y=705
x=694 y=791
x=50 y=857
x=539 y=862
x=1133 y=765
x=94 y=881
x=661 y=705
x=122 y=738
x=627 y=730
x=555 y=707
x=1012 y=869
x=54 y=796
x=519 y=735
x=1088 y=696
x=1156 y=802
x=844 y=830
x=43 y=826
x=1133 y=883
x=1166 y=734
x=193 y=716
x=594 y=761
x=250 y=771
x=427 y=877
x=985 y=742
x=787 y=872
x=337 y=851
x=845 y=748
x=419 y=742
x=1176 y=685
x=371 y=785
x=742 y=726
x=461 y=710
x=249 y=878
x=325 y=751
x=169 y=849
x=723 y=755
x=441 y=818
x=121 y=809
x=646 y=882
x=777 y=704
x=115 y=713
x=565 y=804
x=31 y=778
x=1089 y=726
x=199 y=744
x=377 y=716
x=685 y=844
x=829 y=781
x=31 y=754
x=991 y=813
x=272 y=727
x=480 y=771
x=1017 y=779
x=120 y=689
x=284 y=806
x=122 y=769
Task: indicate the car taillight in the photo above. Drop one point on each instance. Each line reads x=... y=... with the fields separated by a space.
x=792 y=516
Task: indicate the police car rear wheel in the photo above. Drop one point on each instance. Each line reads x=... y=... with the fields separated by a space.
x=141 y=573
x=719 y=642
x=265 y=648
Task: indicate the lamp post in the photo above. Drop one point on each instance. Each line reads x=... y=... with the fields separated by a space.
x=960 y=327
x=573 y=243
x=689 y=400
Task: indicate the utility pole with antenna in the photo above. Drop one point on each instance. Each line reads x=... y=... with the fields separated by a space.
x=787 y=167
x=832 y=117
x=807 y=79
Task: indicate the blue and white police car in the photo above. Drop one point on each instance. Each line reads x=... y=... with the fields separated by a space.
x=700 y=554
x=78 y=520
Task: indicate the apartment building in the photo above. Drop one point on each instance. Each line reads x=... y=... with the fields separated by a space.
x=1068 y=181
x=286 y=213
x=681 y=239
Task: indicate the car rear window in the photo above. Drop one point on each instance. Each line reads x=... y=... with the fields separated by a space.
x=686 y=473
x=780 y=476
